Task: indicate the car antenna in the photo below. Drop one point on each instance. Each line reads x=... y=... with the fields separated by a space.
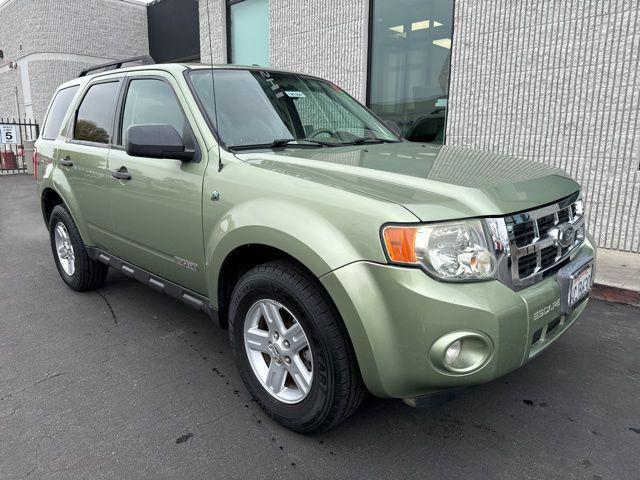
x=213 y=85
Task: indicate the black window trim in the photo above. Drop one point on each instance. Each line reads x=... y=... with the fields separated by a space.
x=119 y=113
x=66 y=113
x=72 y=127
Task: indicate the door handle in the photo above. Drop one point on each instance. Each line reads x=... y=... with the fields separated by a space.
x=66 y=161
x=121 y=174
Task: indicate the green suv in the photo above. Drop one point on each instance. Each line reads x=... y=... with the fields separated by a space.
x=341 y=258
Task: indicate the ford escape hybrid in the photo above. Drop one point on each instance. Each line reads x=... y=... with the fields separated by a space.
x=341 y=258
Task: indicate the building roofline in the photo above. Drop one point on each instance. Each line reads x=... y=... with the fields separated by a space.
x=137 y=3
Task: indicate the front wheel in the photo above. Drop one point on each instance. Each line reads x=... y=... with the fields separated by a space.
x=73 y=263
x=292 y=350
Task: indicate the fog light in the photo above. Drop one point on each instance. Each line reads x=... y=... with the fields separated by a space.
x=453 y=352
x=461 y=352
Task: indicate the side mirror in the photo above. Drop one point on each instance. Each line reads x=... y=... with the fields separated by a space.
x=394 y=127
x=156 y=141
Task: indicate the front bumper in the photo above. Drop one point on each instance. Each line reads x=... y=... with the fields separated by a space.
x=394 y=315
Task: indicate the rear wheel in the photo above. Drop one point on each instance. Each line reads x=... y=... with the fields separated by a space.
x=73 y=263
x=291 y=348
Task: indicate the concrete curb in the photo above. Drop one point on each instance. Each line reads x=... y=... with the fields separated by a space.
x=615 y=294
x=617 y=277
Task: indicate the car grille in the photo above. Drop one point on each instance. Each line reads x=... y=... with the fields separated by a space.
x=540 y=241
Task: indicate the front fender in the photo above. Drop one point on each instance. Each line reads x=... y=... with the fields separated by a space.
x=294 y=229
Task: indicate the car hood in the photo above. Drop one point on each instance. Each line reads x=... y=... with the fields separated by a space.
x=433 y=182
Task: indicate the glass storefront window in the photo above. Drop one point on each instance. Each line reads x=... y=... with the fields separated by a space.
x=409 y=65
x=249 y=32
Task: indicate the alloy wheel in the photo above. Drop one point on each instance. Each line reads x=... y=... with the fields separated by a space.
x=278 y=351
x=64 y=249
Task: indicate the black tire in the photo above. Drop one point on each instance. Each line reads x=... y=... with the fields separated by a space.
x=337 y=388
x=88 y=274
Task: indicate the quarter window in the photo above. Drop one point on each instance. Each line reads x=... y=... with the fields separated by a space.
x=58 y=109
x=152 y=102
x=95 y=115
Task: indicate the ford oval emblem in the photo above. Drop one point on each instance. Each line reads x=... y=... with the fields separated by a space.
x=566 y=235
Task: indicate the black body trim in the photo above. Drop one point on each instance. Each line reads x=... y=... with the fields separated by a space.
x=435 y=399
x=186 y=296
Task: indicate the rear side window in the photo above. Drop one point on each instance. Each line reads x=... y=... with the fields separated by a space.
x=58 y=109
x=94 y=120
x=152 y=102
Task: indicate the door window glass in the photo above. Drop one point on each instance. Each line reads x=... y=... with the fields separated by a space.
x=95 y=115
x=249 y=28
x=410 y=59
x=56 y=114
x=152 y=102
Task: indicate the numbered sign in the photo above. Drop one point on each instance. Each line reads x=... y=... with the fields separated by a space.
x=9 y=134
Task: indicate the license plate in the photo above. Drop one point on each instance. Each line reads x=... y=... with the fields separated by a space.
x=580 y=285
x=575 y=280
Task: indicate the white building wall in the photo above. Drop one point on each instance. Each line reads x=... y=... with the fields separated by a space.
x=213 y=31
x=556 y=81
x=326 y=38
x=53 y=40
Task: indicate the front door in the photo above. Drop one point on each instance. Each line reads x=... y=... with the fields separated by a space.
x=156 y=212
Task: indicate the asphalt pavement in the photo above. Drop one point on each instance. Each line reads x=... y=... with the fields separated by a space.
x=127 y=383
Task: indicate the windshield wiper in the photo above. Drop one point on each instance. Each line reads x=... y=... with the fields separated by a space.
x=294 y=142
x=283 y=143
x=360 y=141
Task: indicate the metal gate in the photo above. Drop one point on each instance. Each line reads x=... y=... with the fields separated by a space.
x=14 y=136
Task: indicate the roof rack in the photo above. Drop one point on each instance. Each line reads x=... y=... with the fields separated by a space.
x=143 y=59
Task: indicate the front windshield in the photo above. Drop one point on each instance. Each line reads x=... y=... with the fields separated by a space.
x=262 y=107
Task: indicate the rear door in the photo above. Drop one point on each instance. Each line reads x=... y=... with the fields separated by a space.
x=157 y=213
x=82 y=159
x=52 y=129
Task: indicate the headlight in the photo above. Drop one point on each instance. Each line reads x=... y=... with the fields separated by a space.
x=455 y=251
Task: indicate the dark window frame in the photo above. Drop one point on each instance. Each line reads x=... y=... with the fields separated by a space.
x=370 y=57
x=72 y=127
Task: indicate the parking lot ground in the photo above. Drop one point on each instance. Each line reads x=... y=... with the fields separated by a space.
x=127 y=383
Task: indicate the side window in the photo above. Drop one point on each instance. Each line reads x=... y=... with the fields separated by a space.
x=95 y=115
x=152 y=102
x=56 y=114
